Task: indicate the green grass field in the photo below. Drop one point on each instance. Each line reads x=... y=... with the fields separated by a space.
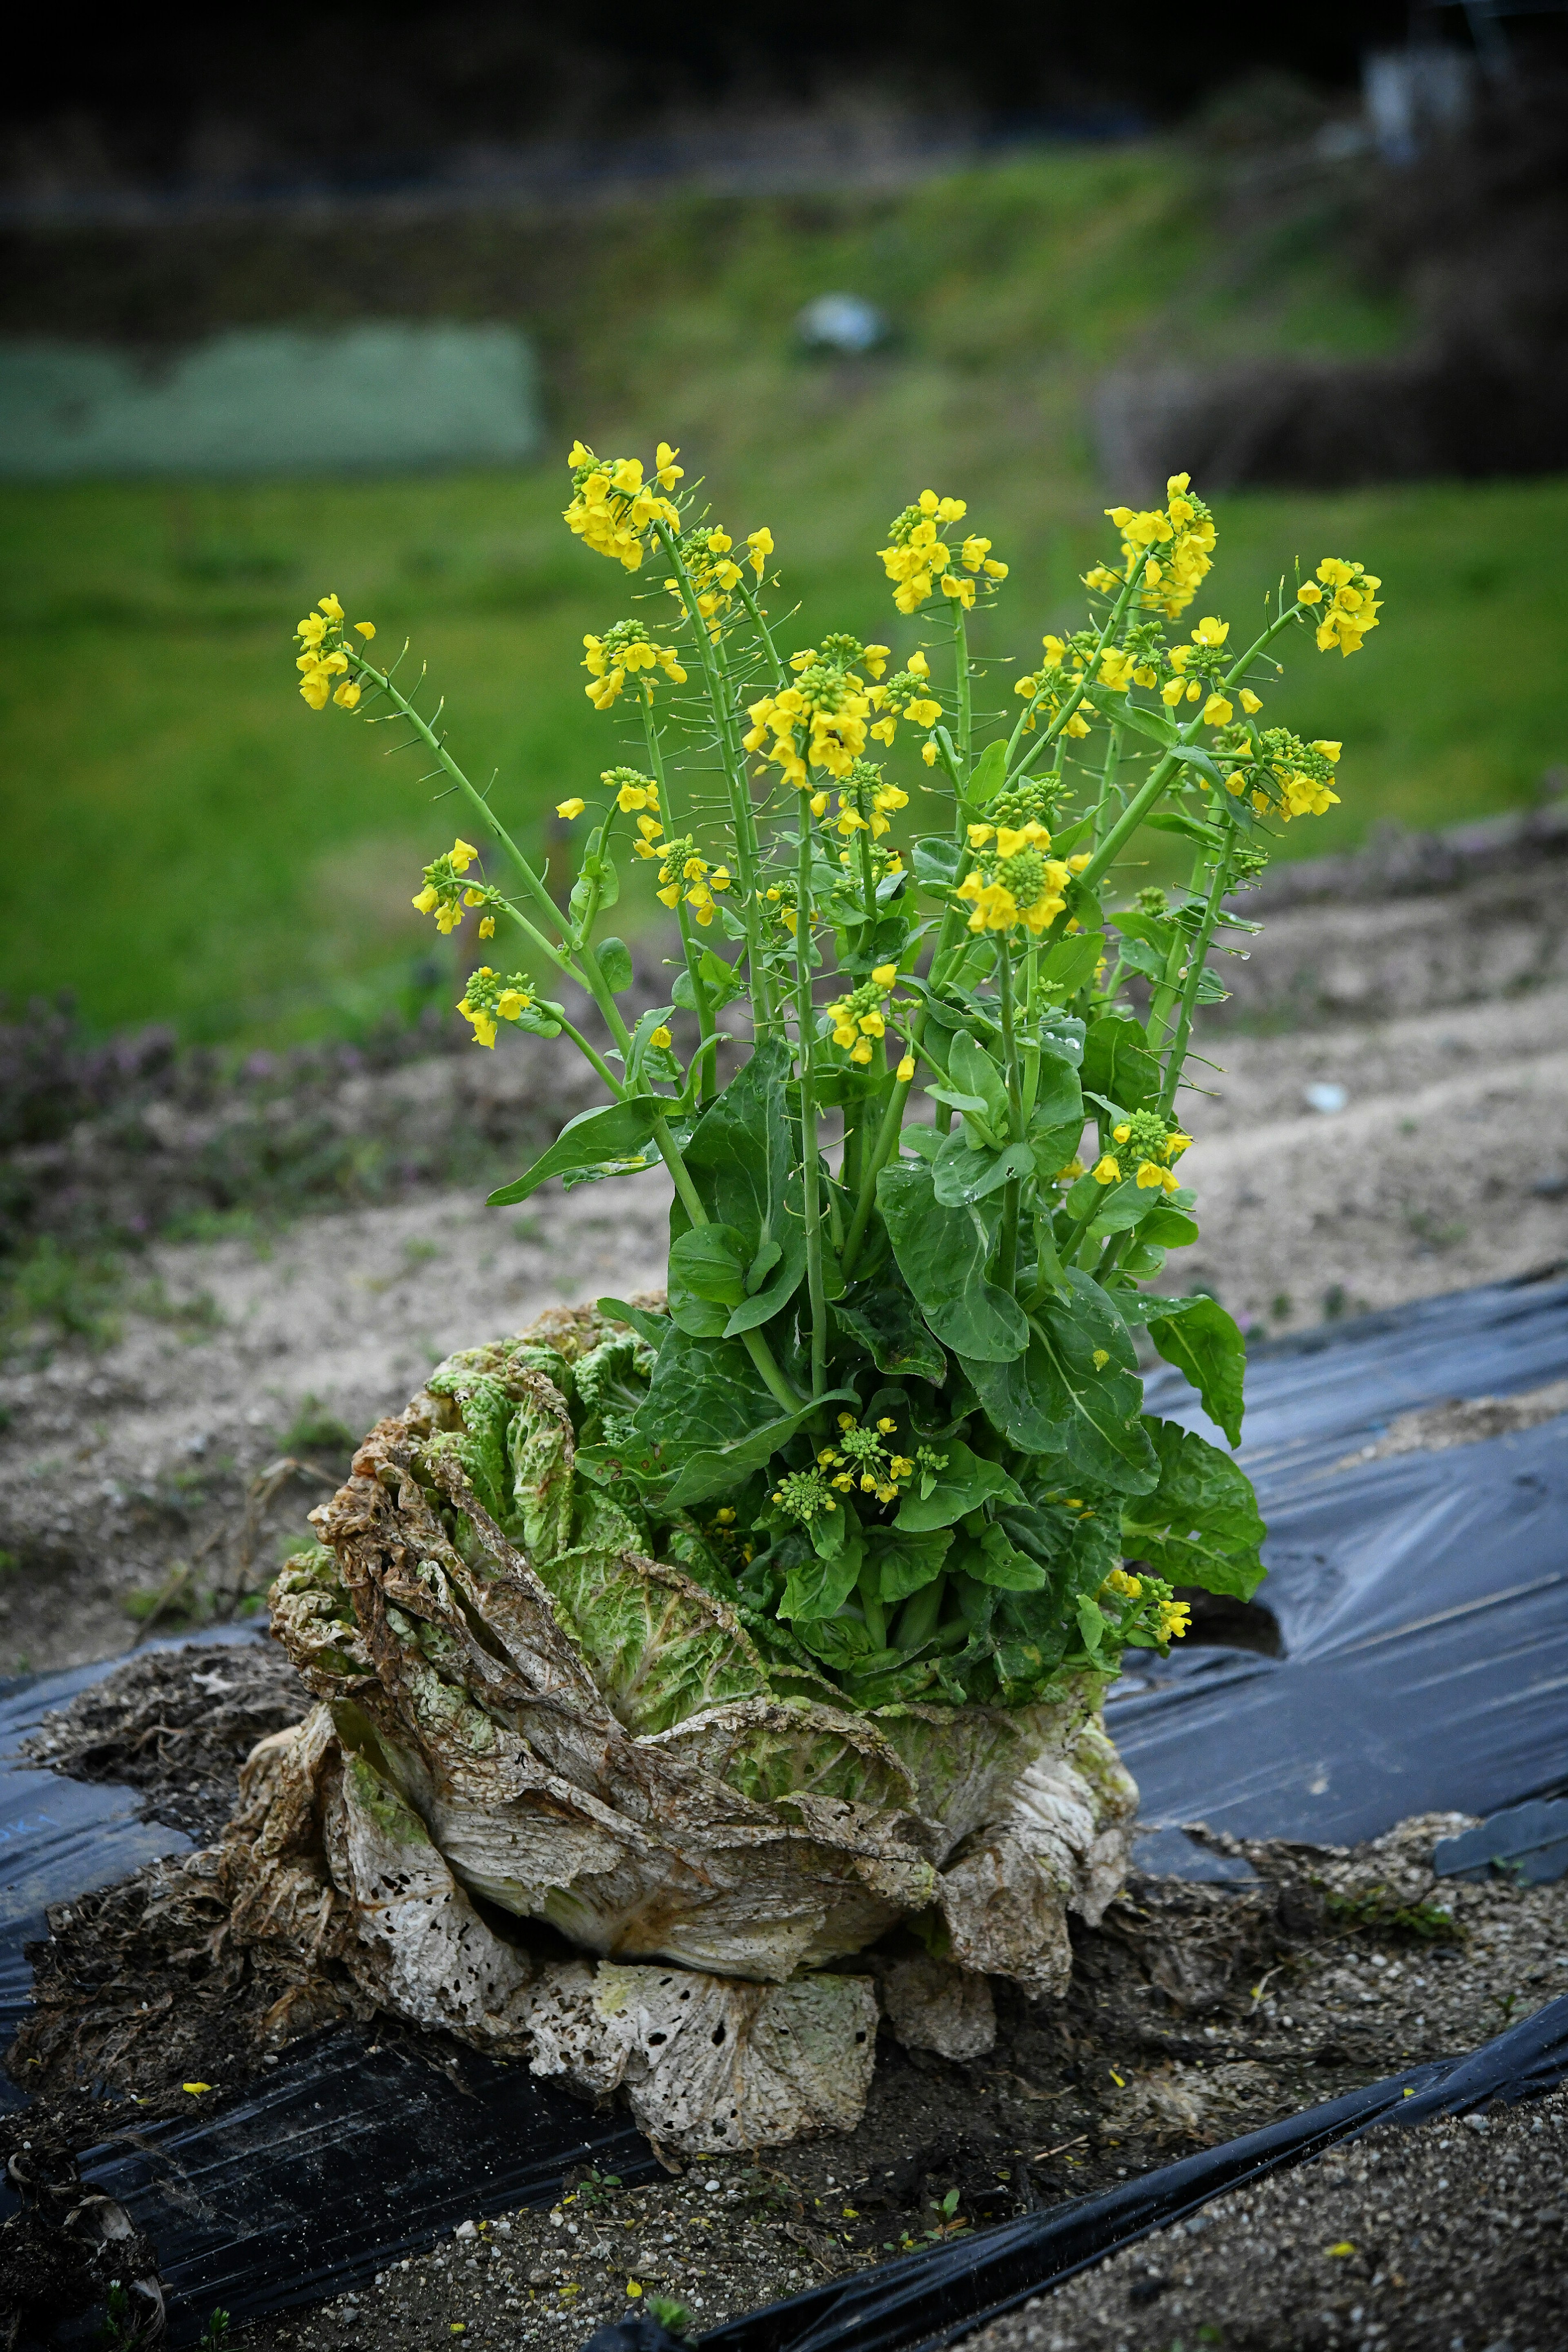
x=190 y=842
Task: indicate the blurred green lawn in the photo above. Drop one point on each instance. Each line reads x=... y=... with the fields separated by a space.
x=187 y=841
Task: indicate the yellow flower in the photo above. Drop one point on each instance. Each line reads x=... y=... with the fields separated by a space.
x=365 y=628
x=463 y=855
x=1250 y=702
x=885 y=974
x=428 y=899
x=666 y=472
x=311 y=630
x=487 y=926
x=906 y=1070
x=1150 y=1176
x=1107 y=1171
x=1310 y=593
x=334 y=611
x=1172 y=691
x=571 y=808
x=980 y=835
x=660 y=1036
x=1210 y=632
x=1330 y=752
x=761 y=545
x=927 y=750
x=1217 y=711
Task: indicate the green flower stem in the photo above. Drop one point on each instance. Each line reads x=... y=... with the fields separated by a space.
x=1108 y=780
x=872 y=1605
x=1012 y=1191
x=961 y=664
x=806 y=1054
x=1051 y=733
x=743 y=814
x=918 y=1621
x=1030 y=1047
x=887 y=1136
x=1198 y=958
x=689 y=947
x=476 y=800
x=748 y=597
x=602 y=1070
x=1166 y=990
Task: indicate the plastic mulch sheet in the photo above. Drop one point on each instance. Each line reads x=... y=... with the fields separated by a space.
x=1422 y=1599
x=1422 y=1606
x=927 y=2300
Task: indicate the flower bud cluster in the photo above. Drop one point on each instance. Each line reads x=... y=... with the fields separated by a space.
x=447 y=897
x=488 y=999
x=1013 y=880
x=1146 y=1144
x=626 y=650
x=856 y=1019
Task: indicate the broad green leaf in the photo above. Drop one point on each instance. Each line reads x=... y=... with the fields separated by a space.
x=1118 y=1063
x=1170 y=1228
x=741 y=1162
x=1057 y=1400
x=721 y=981
x=942 y=1254
x=962 y=1484
x=840 y=1642
x=719 y=1469
x=703 y=1392
x=1201 y=1524
x=1052 y=1147
x=1091 y=1623
x=906 y=1561
x=613 y=957
x=1205 y=1342
x=542 y=1018
x=647 y=1325
x=895 y=1337
x=1139 y=956
x=1125 y=713
x=1067 y=963
x=1058 y=1095
x=818 y=1587
x=995 y=1560
x=1173 y=820
x=973 y=1072
x=712 y=1260
x=988 y=774
x=615 y=1132
x=936 y=861
x=962 y=1174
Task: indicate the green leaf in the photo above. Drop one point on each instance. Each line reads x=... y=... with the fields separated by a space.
x=741 y=1162
x=995 y=1560
x=962 y=1174
x=720 y=1469
x=1067 y=964
x=891 y=1333
x=972 y=1071
x=818 y=1587
x=711 y=1260
x=936 y=861
x=988 y=774
x=1125 y=713
x=1201 y=1524
x=541 y=1018
x=1173 y=820
x=908 y=1562
x=594 y=1139
x=1059 y=1095
x=1205 y=1342
x=1056 y=1398
x=1170 y=1228
x=721 y=980
x=1091 y=1623
x=962 y=1485
x=840 y=1642
x=942 y=1254
x=613 y=957
x=1117 y=1063
x=1139 y=956
x=647 y=1325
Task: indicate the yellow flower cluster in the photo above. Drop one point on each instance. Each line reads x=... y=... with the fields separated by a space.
x=1178 y=541
x=324 y=657
x=915 y=557
x=863 y=1459
x=626 y=651
x=1299 y=774
x=488 y=999
x=1012 y=879
x=1348 y=594
x=1040 y=686
x=1143 y=1142
x=907 y=696
x=866 y=804
x=684 y=872
x=446 y=895
x=861 y=1016
x=817 y=722
x=612 y=506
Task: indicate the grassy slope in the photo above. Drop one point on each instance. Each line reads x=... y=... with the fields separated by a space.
x=197 y=844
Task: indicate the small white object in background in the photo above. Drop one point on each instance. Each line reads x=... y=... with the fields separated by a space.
x=1325 y=1094
x=841 y=323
